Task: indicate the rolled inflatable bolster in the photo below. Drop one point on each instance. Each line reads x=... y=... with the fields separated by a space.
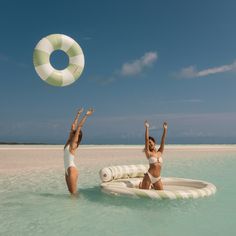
x=121 y=172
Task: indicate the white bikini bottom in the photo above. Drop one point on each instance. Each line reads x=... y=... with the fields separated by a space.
x=153 y=179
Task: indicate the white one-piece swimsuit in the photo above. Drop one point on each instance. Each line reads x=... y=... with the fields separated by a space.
x=68 y=158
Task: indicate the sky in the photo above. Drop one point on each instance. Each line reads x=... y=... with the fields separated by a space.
x=152 y=60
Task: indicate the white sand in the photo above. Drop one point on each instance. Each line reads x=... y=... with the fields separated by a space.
x=29 y=157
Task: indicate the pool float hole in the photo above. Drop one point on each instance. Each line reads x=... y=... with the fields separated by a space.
x=59 y=59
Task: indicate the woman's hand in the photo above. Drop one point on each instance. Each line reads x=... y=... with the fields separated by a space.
x=90 y=112
x=80 y=111
x=146 y=124
x=165 y=125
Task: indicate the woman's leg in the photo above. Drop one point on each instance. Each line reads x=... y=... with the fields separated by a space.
x=158 y=185
x=71 y=179
x=146 y=182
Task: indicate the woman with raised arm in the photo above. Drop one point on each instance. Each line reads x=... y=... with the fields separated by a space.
x=152 y=179
x=75 y=137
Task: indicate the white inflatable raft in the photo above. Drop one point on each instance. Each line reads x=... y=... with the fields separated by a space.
x=124 y=180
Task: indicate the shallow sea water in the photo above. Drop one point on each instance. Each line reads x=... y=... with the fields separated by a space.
x=36 y=202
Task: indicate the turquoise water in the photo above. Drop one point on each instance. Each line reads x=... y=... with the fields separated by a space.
x=37 y=203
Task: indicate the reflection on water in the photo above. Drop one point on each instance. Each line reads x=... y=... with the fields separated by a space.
x=95 y=195
x=38 y=202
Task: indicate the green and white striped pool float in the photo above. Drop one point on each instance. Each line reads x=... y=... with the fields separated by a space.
x=43 y=67
x=124 y=180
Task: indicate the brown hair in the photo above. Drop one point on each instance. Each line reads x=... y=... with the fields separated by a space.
x=151 y=138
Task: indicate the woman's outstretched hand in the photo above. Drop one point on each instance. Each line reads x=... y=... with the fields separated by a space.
x=89 y=112
x=80 y=111
x=165 y=125
x=146 y=124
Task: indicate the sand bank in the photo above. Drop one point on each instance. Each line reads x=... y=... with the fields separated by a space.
x=29 y=157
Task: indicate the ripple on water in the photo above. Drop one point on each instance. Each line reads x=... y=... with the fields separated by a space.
x=37 y=201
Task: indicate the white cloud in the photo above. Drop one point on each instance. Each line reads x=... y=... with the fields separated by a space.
x=138 y=65
x=192 y=72
x=135 y=67
x=188 y=72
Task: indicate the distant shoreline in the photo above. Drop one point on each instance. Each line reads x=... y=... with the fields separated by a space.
x=118 y=146
x=16 y=143
x=111 y=144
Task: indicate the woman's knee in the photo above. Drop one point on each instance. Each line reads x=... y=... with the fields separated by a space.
x=158 y=185
x=145 y=185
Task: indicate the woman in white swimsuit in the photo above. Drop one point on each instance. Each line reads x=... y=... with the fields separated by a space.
x=72 y=143
x=152 y=179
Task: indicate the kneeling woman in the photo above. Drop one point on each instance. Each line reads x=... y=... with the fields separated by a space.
x=75 y=137
x=152 y=179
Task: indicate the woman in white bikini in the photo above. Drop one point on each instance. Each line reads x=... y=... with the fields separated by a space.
x=152 y=179
x=72 y=143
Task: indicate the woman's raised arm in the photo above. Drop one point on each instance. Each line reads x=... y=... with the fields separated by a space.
x=146 y=138
x=81 y=123
x=73 y=126
x=161 y=149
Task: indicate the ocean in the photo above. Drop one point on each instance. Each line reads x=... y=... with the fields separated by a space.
x=34 y=199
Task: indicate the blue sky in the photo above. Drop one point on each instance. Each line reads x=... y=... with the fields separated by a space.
x=154 y=60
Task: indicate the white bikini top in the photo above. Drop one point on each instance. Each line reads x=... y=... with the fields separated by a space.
x=153 y=160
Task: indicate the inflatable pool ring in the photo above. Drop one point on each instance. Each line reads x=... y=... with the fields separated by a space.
x=43 y=67
x=124 y=180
